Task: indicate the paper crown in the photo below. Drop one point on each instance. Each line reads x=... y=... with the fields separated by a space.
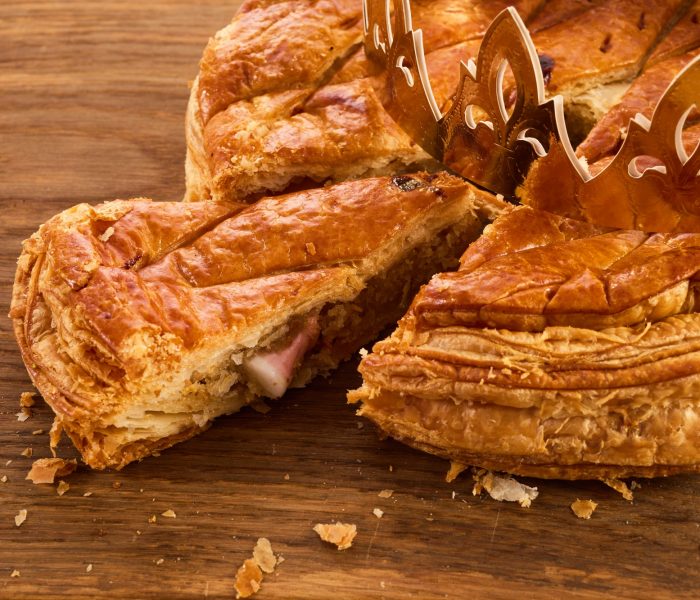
x=651 y=184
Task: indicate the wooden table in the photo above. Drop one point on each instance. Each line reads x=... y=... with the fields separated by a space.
x=92 y=100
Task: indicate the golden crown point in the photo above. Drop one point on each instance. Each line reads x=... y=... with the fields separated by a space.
x=522 y=147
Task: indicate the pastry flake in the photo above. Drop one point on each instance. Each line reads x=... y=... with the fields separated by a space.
x=583 y=509
x=503 y=488
x=263 y=555
x=340 y=534
x=46 y=470
x=20 y=517
x=248 y=579
x=250 y=574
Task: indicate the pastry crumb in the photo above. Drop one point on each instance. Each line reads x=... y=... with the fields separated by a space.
x=20 y=517
x=26 y=399
x=3 y=479
x=24 y=414
x=260 y=406
x=160 y=561
x=45 y=470
x=286 y=476
x=250 y=574
x=583 y=509
x=109 y=232
x=116 y=484
x=378 y=512
x=248 y=579
x=27 y=452
x=88 y=569
x=55 y=434
x=620 y=487
x=455 y=469
x=340 y=534
x=170 y=513
x=38 y=432
x=152 y=519
x=263 y=555
x=62 y=487
x=386 y=493
x=363 y=352
x=15 y=573
x=504 y=488
x=87 y=494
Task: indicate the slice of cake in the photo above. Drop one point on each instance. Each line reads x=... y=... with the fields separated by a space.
x=557 y=350
x=139 y=321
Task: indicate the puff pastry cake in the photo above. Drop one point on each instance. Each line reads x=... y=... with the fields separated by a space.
x=557 y=350
x=141 y=321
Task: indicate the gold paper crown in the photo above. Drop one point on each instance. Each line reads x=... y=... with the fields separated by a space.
x=651 y=184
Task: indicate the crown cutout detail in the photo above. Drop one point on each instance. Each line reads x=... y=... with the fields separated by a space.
x=519 y=145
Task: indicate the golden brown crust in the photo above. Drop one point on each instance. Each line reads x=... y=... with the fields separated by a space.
x=683 y=37
x=448 y=22
x=641 y=97
x=133 y=316
x=593 y=371
x=273 y=46
x=577 y=274
x=554 y=12
x=302 y=121
x=606 y=43
x=269 y=47
x=338 y=132
x=593 y=55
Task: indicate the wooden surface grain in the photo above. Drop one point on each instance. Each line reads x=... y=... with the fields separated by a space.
x=92 y=98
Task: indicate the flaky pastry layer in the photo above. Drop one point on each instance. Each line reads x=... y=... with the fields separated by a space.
x=301 y=120
x=136 y=318
x=556 y=350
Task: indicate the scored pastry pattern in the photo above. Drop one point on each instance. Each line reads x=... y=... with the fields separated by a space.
x=139 y=320
x=560 y=347
x=496 y=148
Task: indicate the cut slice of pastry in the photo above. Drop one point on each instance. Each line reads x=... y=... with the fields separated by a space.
x=557 y=350
x=141 y=321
